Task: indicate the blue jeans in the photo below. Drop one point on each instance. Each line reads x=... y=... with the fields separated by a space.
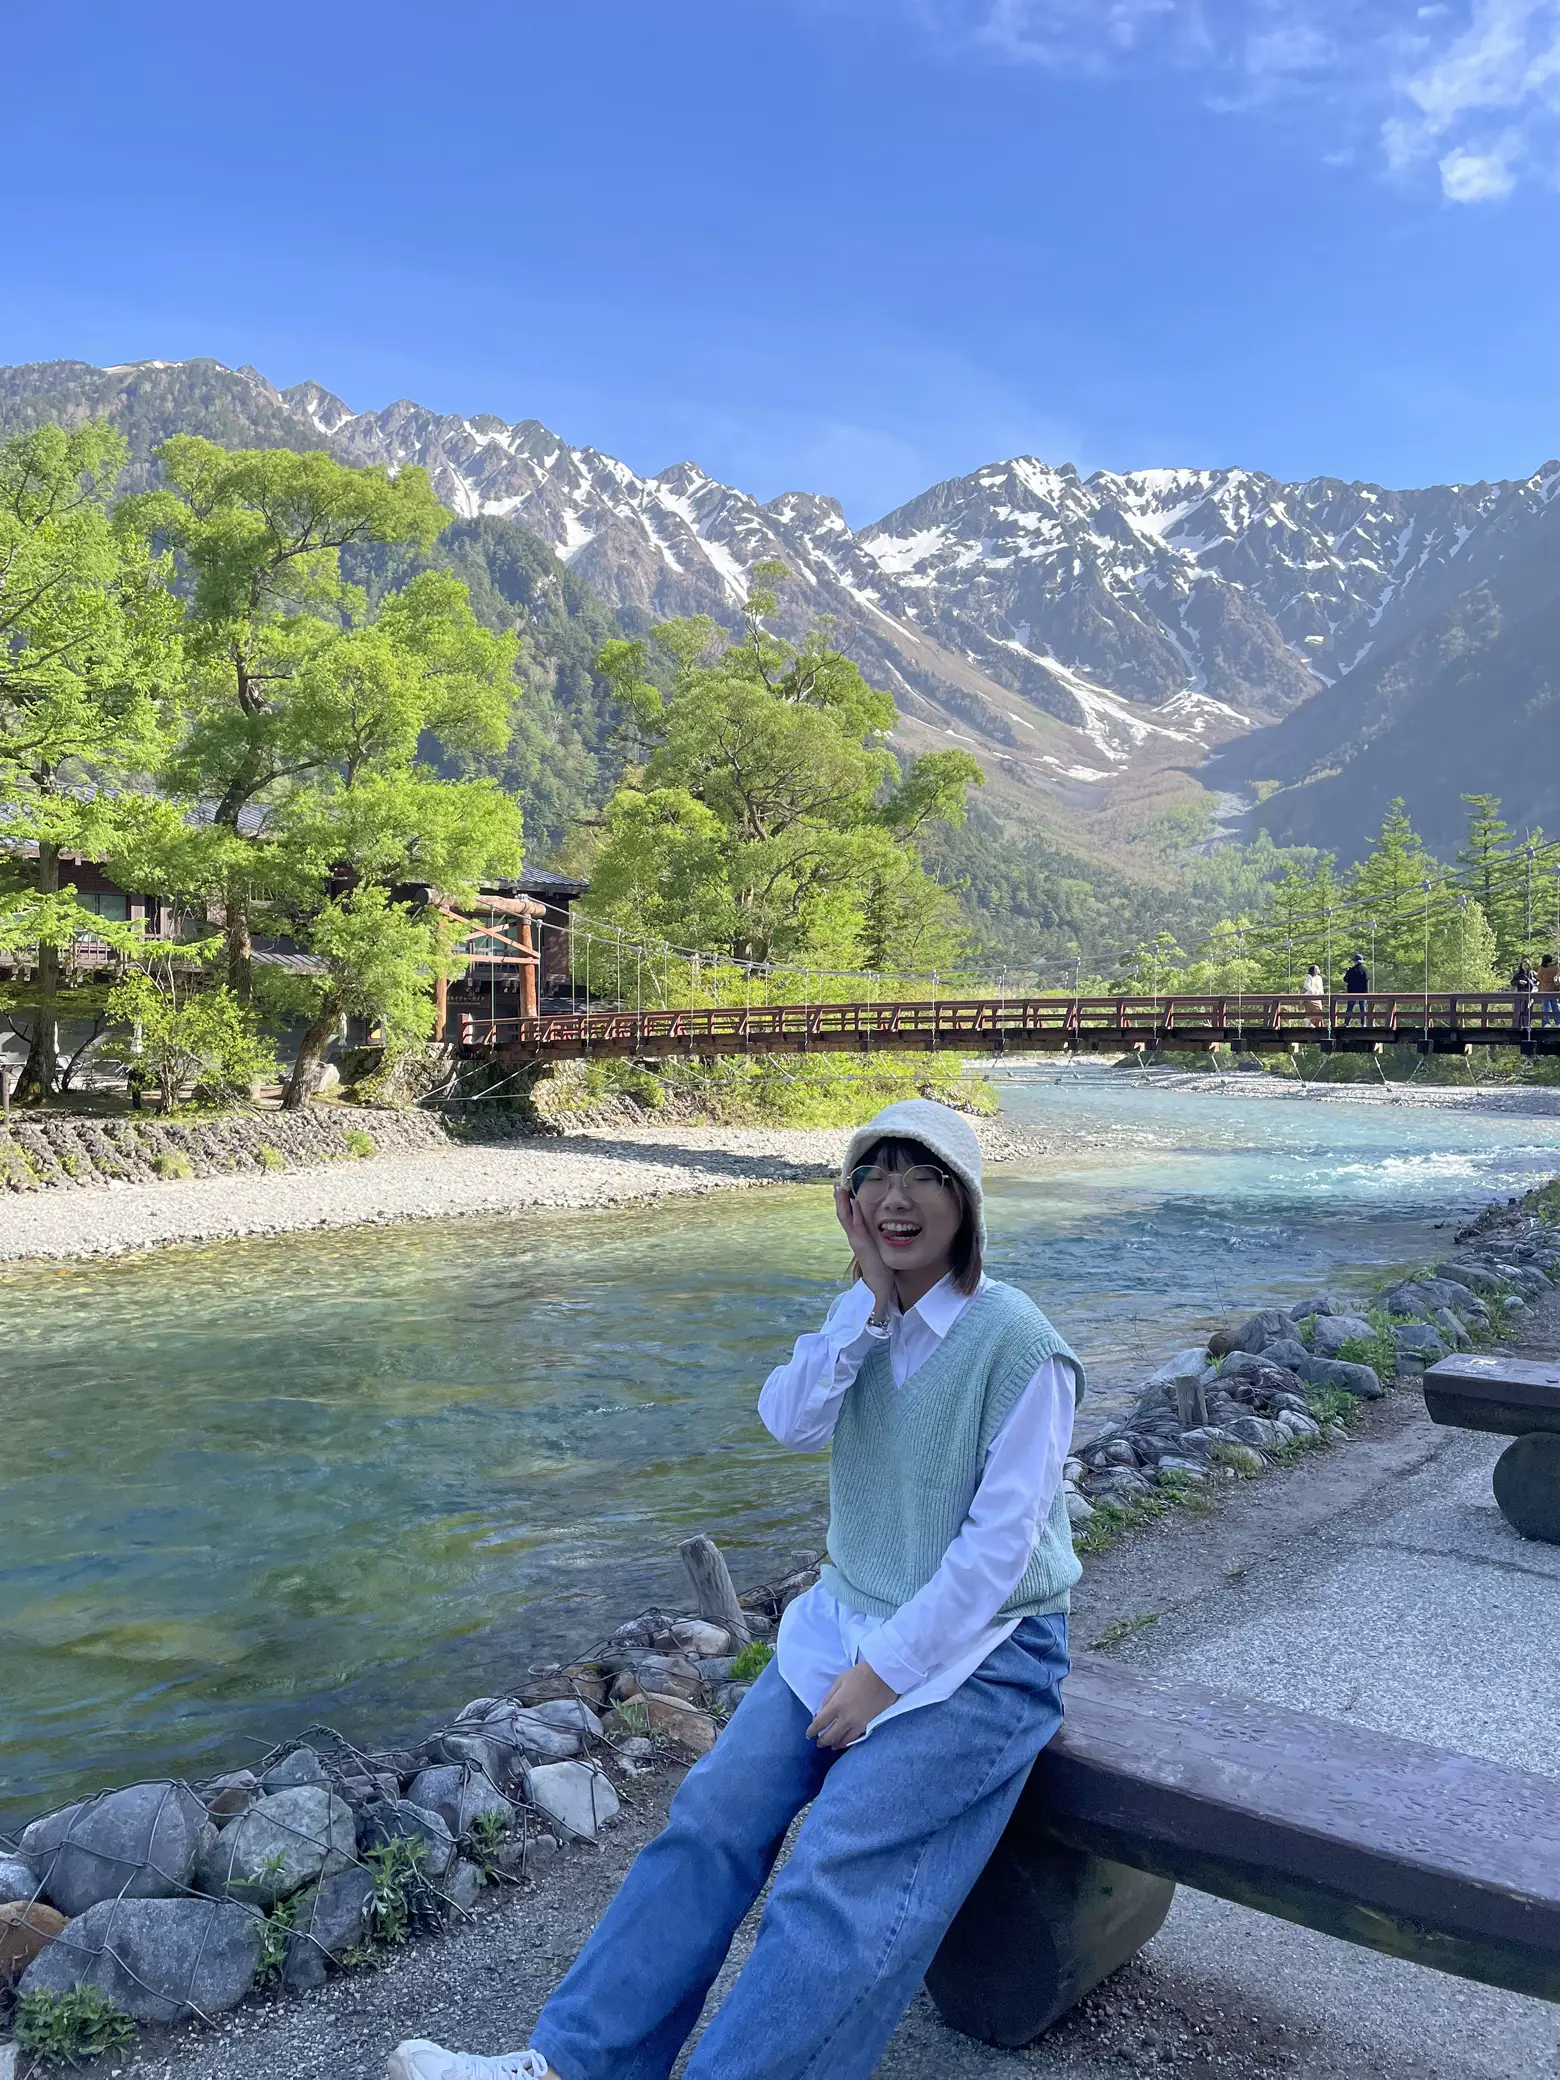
x=901 y=1826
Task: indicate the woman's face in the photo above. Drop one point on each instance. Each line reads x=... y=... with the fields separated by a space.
x=915 y=1220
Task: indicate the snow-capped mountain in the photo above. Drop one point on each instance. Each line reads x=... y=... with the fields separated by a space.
x=1069 y=628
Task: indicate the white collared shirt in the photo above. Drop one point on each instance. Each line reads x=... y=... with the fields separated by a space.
x=940 y=1637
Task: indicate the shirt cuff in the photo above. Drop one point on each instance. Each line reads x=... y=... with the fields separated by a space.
x=886 y=1659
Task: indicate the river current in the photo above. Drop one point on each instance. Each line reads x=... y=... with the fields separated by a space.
x=363 y=1476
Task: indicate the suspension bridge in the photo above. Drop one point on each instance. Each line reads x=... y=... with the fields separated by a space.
x=1439 y=1022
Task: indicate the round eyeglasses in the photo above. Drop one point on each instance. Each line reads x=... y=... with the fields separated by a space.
x=919 y=1180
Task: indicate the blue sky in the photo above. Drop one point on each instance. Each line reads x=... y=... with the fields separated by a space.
x=850 y=246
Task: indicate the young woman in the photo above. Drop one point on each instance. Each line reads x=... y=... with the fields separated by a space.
x=911 y=1689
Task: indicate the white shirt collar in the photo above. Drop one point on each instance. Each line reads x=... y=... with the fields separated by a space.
x=941 y=1307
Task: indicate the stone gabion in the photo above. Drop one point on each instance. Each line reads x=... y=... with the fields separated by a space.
x=56 y=1152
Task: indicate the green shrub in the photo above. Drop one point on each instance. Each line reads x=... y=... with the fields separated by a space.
x=1334 y=1405
x=173 y=1162
x=360 y=1143
x=64 y=2028
x=270 y=1158
x=750 y=1664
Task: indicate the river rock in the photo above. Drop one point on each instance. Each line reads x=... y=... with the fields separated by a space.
x=26 y=1927
x=1119 y=1451
x=1475 y=1276
x=1269 y=1325
x=1287 y=1353
x=404 y=1821
x=1322 y=1303
x=157 y=1959
x=576 y=1796
x=691 y=1732
x=1079 y=1511
x=719 y=1671
x=1187 y=1364
x=1335 y=1330
x=461 y=1889
x=1183 y=1469
x=571 y=1715
x=700 y=1640
x=140 y=1842
x=1243 y=1458
x=302 y=1766
x=1420 y=1338
x=18 y=1880
x=1256 y=1431
x=330 y=1918
x=507 y=1740
x=1360 y=1380
x=285 y=1841
x=460 y=1795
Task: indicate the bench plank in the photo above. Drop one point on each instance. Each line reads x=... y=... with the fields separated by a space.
x=1444 y=1859
x=1392 y=1843
x=1509 y=1396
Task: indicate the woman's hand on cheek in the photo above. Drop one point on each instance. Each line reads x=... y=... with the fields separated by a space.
x=854 y=1700
x=876 y=1275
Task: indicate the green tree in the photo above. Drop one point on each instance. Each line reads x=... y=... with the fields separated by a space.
x=289 y=676
x=1397 y=891
x=186 y=1038
x=769 y=819
x=88 y=639
x=1490 y=870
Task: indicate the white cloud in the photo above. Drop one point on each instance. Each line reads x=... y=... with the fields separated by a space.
x=1470 y=176
x=1469 y=89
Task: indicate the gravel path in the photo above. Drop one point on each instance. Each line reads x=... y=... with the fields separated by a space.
x=603 y=1167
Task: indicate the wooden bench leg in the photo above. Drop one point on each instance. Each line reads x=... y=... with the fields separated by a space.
x=1527 y=1485
x=1043 y=1924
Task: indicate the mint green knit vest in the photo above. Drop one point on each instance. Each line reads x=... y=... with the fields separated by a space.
x=907 y=1460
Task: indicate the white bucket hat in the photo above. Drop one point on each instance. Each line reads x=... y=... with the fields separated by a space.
x=941 y=1131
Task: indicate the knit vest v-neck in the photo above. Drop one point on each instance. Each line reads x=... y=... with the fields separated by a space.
x=907 y=1460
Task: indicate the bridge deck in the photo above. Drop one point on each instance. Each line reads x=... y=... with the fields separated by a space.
x=1443 y=1022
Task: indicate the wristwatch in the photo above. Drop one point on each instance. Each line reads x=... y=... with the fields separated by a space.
x=880 y=1321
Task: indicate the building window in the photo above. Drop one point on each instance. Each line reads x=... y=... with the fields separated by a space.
x=116 y=908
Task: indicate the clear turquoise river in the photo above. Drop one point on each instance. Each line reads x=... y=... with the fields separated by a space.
x=362 y=1477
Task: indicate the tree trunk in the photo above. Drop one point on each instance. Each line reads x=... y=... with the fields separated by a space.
x=42 y=1068
x=240 y=969
x=305 y=1078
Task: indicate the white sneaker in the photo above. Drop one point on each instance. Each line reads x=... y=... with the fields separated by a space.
x=417 y=2059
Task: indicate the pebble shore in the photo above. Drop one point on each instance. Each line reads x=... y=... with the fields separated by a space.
x=593 y=1168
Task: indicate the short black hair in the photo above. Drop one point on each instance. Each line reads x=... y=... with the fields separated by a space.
x=964 y=1258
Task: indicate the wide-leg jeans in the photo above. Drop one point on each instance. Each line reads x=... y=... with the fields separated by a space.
x=901 y=1826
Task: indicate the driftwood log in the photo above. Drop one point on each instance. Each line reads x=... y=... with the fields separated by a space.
x=712 y=1586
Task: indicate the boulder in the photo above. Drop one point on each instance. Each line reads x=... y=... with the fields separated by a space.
x=1288 y=1354
x=1256 y=1431
x=1243 y=1458
x=1477 y=1277
x=690 y=1731
x=18 y=1880
x=157 y=1959
x=698 y=1639
x=570 y=1715
x=302 y=1766
x=1359 y=1380
x=460 y=1795
x=718 y=1671
x=285 y=1841
x=510 y=1737
x=1079 y=1512
x=461 y=1888
x=26 y=1927
x=580 y=1799
x=140 y=1843
x=403 y=1820
x=1335 y=1330
x=1269 y=1325
x=1304 y=1309
x=329 y=1919
x=1420 y=1338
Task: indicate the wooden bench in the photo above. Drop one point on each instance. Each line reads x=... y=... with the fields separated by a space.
x=1514 y=1398
x=1407 y=1849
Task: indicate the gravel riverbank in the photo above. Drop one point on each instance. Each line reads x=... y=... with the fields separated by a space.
x=600 y=1167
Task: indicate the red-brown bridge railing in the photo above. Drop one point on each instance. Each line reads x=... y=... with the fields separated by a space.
x=1444 y=1021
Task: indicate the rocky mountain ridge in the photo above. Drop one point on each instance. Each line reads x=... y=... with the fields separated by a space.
x=1077 y=632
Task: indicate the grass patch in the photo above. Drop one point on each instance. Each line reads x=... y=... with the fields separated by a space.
x=1235 y=1458
x=64 y=2028
x=1334 y=1405
x=174 y=1163
x=1113 y=1520
x=1123 y=1629
x=361 y=1144
x=270 y=1158
x=1377 y=1350
x=750 y=1664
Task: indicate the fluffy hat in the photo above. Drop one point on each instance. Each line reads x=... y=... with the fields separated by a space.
x=945 y=1133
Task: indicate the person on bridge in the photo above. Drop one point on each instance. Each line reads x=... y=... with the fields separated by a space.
x=1313 y=988
x=1524 y=986
x=1549 y=989
x=912 y=1687
x=1357 y=982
